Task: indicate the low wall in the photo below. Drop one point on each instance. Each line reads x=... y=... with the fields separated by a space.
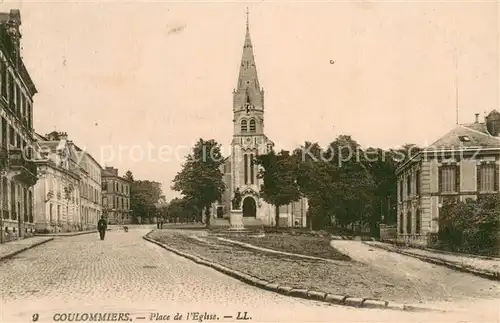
x=388 y=232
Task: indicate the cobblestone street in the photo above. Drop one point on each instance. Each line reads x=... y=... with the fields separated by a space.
x=125 y=272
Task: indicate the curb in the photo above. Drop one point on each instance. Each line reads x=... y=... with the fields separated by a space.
x=13 y=253
x=294 y=292
x=463 y=268
x=66 y=235
x=353 y=238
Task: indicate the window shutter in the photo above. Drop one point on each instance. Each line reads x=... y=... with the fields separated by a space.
x=496 y=172
x=478 y=178
x=440 y=179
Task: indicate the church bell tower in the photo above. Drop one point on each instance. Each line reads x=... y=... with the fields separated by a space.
x=248 y=129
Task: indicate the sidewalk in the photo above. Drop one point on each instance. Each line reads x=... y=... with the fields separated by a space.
x=489 y=268
x=12 y=248
x=65 y=234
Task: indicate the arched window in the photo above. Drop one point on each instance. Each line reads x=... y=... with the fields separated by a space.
x=244 y=126
x=252 y=125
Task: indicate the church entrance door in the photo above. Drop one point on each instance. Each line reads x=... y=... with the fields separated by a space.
x=249 y=207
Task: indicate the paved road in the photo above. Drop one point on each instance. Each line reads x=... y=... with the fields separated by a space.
x=443 y=283
x=126 y=273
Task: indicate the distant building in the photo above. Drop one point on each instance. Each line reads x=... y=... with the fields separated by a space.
x=115 y=197
x=90 y=189
x=462 y=164
x=57 y=192
x=17 y=171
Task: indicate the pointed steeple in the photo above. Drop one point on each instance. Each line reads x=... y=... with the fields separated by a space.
x=248 y=71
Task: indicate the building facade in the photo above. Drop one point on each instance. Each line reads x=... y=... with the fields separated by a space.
x=57 y=192
x=18 y=173
x=461 y=165
x=249 y=140
x=115 y=197
x=90 y=188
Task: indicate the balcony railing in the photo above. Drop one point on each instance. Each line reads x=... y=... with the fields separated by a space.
x=25 y=169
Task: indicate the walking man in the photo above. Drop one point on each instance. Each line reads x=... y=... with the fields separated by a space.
x=102 y=225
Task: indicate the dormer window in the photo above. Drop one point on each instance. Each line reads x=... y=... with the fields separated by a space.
x=244 y=126
x=464 y=138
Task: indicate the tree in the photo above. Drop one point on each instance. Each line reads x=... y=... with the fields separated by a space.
x=382 y=167
x=314 y=179
x=471 y=226
x=337 y=182
x=280 y=180
x=143 y=197
x=201 y=180
x=128 y=176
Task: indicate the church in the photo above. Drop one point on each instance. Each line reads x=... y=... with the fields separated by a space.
x=249 y=140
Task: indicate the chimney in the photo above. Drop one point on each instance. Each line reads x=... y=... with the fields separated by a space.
x=477 y=117
x=63 y=136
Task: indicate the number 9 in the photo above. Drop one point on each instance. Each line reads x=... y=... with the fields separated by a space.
x=34 y=318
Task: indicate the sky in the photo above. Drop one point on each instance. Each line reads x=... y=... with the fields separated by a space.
x=123 y=78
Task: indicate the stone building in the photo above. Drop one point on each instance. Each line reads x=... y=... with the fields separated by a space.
x=90 y=189
x=57 y=192
x=249 y=140
x=17 y=171
x=115 y=197
x=462 y=164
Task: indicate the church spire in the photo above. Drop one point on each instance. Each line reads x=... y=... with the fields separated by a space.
x=248 y=71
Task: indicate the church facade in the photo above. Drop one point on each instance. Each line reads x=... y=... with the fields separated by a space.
x=249 y=140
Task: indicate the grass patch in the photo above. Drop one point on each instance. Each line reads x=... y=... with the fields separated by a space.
x=316 y=246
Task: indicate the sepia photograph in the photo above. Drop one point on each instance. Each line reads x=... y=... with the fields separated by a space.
x=249 y=161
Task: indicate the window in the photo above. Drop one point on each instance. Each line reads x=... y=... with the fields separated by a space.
x=401 y=223
x=486 y=177
x=408 y=185
x=13 y=200
x=251 y=170
x=417 y=182
x=408 y=223
x=4 y=132
x=104 y=186
x=245 y=167
x=252 y=125
x=3 y=71
x=12 y=136
x=30 y=205
x=400 y=191
x=418 y=223
x=244 y=126
x=51 y=212
x=11 y=93
x=25 y=205
x=5 y=197
x=448 y=179
x=18 y=101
